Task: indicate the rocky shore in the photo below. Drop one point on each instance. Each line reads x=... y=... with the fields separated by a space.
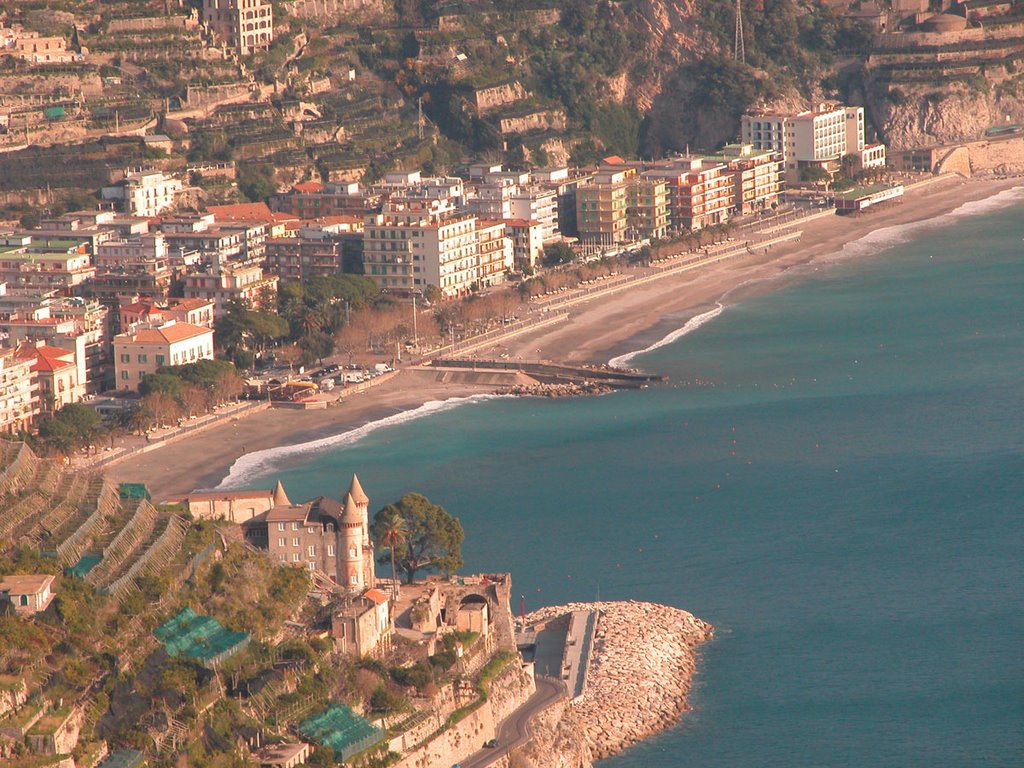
x=572 y=389
x=640 y=675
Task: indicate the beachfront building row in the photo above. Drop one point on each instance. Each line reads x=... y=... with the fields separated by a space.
x=820 y=137
x=416 y=242
x=628 y=201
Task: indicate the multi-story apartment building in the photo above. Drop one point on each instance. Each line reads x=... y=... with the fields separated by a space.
x=56 y=373
x=147 y=252
x=145 y=193
x=19 y=401
x=312 y=200
x=819 y=137
x=74 y=324
x=564 y=184
x=416 y=242
x=700 y=192
x=201 y=234
x=527 y=242
x=191 y=311
x=601 y=208
x=143 y=349
x=540 y=204
x=495 y=252
x=245 y=25
x=756 y=174
x=28 y=268
x=226 y=283
x=647 y=207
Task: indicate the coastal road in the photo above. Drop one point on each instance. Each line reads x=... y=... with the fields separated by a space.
x=515 y=731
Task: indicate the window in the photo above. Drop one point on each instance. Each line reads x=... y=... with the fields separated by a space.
x=295 y=557
x=311 y=530
x=124 y=375
x=125 y=357
x=353 y=579
x=330 y=550
x=295 y=526
x=352 y=552
x=296 y=543
x=282 y=542
x=160 y=359
x=143 y=358
x=312 y=550
x=280 y=526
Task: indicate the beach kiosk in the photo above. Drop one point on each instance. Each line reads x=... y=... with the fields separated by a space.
x=862 y=198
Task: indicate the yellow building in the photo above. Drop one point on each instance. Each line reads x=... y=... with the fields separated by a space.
x=146 y=348
x=602 y=207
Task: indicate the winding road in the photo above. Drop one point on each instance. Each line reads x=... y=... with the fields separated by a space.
x=515 y=730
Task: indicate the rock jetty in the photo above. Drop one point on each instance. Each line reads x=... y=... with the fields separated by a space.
x=640 y=673
x=568 y=389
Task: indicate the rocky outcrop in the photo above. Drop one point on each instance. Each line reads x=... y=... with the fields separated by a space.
x=569 y=389
x=637 y=685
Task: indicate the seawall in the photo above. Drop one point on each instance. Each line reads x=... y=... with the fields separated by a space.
x=638 y=681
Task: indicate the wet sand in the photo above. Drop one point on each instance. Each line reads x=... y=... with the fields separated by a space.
x=598 y=329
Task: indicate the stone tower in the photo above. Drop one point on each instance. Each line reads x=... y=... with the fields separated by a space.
x=355 y=490
x=351 y=541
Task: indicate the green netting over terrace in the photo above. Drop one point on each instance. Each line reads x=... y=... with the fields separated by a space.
x=199 y=637
x=85 y=563
x=341 y=729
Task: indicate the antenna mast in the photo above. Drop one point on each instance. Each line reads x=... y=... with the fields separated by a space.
x=738 y=50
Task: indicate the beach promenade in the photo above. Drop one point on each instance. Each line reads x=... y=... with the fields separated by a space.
x=596 y=326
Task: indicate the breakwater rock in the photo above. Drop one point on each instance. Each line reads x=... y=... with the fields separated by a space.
x=637 y=682
x=568 y=389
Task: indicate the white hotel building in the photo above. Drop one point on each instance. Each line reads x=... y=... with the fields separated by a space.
x=819 y=137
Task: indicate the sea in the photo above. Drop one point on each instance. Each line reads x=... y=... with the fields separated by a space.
x=833 y=476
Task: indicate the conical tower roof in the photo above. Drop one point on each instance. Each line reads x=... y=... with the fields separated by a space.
x=355 y=490
x=351 y=515
x=280 y=497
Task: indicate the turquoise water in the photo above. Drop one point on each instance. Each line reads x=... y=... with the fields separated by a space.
x=840 y=496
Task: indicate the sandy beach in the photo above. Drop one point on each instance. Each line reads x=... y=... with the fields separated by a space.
x=598 y=329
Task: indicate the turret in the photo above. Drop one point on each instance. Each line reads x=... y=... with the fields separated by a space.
x=280 y=497
x=351 y=542
x=355 y=490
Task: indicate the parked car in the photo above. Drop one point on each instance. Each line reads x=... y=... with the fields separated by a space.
x=491 y=743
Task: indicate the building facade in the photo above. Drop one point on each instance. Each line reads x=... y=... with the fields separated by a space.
x=143 y=349
x=245 y=25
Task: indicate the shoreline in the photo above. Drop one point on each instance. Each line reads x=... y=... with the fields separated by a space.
x=628 y=322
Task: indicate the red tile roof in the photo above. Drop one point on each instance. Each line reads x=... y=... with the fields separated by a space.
x=168 y=334
x=242 y=212
x=308 y=186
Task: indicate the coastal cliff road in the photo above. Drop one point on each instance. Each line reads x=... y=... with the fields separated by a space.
x=515 y=731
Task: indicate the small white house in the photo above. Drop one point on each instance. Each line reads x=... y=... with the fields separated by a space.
x=28 y=593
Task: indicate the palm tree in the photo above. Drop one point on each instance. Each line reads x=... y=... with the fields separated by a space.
x=393 y=535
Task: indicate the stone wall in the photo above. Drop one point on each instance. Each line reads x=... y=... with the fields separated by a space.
x=547 y=120
x=487 y=99
x=153 y=22
x=335 y=10
x=12 y=696
x=508 y=691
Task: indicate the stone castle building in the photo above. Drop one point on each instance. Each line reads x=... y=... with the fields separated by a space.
x=322 y=535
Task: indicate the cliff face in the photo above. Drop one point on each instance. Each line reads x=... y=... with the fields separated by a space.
x=947 y=116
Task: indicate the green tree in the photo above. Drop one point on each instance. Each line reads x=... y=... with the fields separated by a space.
x=392 y=534
x=73 y=426
x=256 y=182
x=557 y=253
x=433 y=539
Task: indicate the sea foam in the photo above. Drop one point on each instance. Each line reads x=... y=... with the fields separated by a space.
x=259 y=463
x=869 y=244
x=691 y=325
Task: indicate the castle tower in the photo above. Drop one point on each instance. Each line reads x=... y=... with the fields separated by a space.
x=355 y=490
x=280 y=497
x=351 y=542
